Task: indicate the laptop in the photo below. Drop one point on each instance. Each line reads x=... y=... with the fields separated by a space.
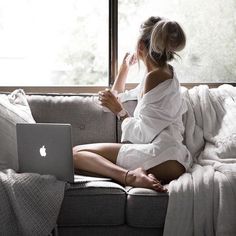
x=46 y=148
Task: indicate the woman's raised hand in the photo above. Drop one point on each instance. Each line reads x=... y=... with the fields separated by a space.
x=129 y=59
x=119 y=83
x=109 y=99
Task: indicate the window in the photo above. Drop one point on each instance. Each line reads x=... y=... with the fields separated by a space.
x=53 y=42
x=210 y=27
x=69 y=42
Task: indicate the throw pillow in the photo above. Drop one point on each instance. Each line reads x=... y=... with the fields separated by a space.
x=14 y=109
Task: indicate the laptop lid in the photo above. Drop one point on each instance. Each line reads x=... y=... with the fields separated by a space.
x=45 y=148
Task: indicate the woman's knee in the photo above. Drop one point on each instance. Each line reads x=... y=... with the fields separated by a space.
x=75 y=153
x=79 y=148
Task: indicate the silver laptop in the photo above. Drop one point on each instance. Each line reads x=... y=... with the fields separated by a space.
x=46 y=148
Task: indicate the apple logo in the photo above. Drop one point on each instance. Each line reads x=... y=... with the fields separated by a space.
x=42 y=151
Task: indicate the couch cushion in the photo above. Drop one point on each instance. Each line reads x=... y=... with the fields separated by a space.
x=146 y=208
x=13 y=109
x=109 y=231
x=96 y=203
x=90 y=124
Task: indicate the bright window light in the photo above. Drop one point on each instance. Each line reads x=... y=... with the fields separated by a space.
x=210 y=26
x=53 y=42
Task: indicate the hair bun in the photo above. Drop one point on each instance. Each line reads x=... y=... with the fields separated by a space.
x=167 y=36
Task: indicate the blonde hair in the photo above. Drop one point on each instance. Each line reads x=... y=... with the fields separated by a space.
x=162 y=38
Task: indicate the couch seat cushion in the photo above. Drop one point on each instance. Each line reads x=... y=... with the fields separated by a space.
x=146 y=208
x=96 y=203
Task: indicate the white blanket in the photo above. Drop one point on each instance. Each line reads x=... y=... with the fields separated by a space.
x=203 y=201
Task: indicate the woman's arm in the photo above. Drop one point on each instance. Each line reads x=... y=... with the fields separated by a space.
x=119 y=84
x=108 y=98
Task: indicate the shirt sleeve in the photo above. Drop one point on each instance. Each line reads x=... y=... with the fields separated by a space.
x=157 y=110
x=129 y=95
x=144 y=128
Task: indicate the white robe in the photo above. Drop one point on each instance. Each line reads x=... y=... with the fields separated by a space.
x=156 y=129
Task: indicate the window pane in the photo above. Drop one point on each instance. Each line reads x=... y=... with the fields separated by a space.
x=53 y=42
x=210 y=26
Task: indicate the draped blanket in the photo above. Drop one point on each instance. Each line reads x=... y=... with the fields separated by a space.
x=203 y=201
x=29 y=203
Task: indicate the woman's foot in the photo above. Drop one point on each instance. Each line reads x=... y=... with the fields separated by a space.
x=140 y=178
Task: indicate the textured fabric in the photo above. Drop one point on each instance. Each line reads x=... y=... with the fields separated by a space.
x=110 y=230
x=14 y=109
x=89 y=122
x=146 y=208
x=156 y=110
x=132 y=156
x=96 y=203
x=130 y=95
x=203 y=201
x=29 y=203
x=156 y=129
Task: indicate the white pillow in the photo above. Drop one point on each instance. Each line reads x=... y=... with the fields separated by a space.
x=14 y=108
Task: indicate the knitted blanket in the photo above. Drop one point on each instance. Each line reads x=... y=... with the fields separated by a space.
x=203 y=201
x=29 y=203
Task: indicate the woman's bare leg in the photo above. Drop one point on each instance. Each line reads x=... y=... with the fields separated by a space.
x=101 y=158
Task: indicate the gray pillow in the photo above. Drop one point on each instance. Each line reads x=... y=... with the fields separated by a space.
x=14 y=108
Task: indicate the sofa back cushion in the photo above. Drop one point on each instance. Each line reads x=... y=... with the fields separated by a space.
x=14 y=109
x=90 y=124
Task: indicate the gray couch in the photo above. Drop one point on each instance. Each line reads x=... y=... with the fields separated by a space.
x=99 y=208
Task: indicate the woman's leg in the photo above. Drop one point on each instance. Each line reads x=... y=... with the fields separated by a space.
x=101 y=158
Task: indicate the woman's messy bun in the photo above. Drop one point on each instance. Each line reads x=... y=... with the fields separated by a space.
x=162 y=38
x=167 y=36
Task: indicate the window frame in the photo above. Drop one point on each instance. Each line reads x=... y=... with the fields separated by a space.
x=113 y=41
x=112 y=67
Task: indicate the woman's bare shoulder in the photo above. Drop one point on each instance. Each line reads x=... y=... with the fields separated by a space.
x=155 y=78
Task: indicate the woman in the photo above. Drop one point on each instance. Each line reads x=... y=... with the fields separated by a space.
x=151 y=150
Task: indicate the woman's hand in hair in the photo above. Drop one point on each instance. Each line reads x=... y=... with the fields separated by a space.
x=110 y=100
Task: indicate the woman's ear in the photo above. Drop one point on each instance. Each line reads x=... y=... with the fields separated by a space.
x=141 y=46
